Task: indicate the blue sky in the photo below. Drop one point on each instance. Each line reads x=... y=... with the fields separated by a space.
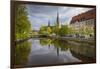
x=39 y=15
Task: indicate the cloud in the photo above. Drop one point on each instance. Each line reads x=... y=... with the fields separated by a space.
x=41 y=14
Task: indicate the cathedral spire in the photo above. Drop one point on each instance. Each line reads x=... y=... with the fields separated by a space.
x=58 y=23
x=57 y=18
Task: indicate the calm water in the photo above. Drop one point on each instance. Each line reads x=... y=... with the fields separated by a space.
x=43 y=51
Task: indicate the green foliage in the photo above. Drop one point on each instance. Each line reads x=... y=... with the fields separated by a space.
x=86 y=31
x=22 y=50
x=45 y=42
x=63 y=30
x=22 y=24
x=18 y=35
x=63 y=45
x=56 y=29
x=45 y=30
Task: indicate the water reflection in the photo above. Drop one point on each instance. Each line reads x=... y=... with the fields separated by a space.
x=22 y=51
x=43 y=51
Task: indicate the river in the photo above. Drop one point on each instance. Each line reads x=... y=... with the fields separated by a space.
x=45 y=51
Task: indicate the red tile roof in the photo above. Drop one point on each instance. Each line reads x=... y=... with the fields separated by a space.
x=91 y=14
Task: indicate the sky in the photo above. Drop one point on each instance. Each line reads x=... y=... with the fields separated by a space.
x=39 y=15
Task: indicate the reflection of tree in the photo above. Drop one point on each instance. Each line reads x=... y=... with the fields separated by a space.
x=60 y=44
x=83 y=49
x=44 y=42
x=21 y=53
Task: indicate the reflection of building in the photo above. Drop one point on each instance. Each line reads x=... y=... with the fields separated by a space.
x=84 y=21
x=48 y=23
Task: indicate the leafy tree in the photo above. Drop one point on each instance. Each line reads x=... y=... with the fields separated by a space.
x=49 y=30
x=63 y=30
x=22 y=24
x=45 y=30
x=86 y=31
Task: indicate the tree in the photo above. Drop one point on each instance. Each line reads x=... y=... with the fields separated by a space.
x=64 y=30
x=86 y=31
x=45 y=30
x=22 y=24
x=49 y=30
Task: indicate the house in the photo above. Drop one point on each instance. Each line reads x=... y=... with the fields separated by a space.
x=84 y=23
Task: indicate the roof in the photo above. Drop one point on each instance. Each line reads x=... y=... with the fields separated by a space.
x=91 y=14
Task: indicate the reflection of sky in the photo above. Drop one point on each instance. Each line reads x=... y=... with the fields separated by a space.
x=40 y=15
x=41 y=53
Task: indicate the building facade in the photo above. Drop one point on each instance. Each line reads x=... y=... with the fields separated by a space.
x=84 y=23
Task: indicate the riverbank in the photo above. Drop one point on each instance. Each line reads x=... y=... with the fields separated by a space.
x=83 y=40
x=22 y=40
